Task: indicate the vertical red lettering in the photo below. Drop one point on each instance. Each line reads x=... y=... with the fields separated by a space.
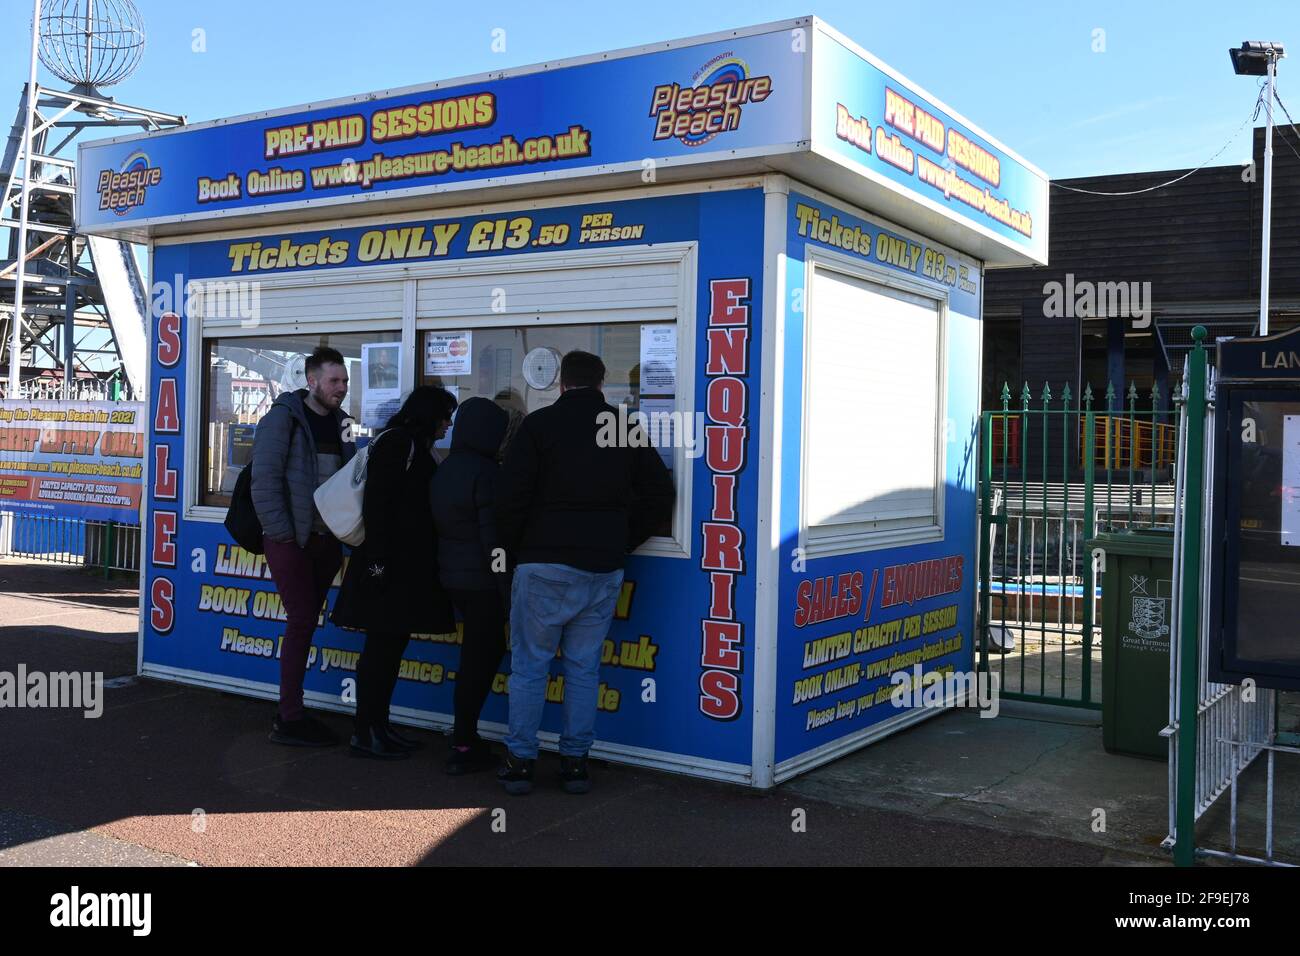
x=164 y=478
x=167 y=418
x=725 y=401
x=722 y=547
x=725 y=297
x=169 y=339
x=720 y=640
x=162 y=609
x=721 y=589
x=720 y=695
x=724 y=498
x=728 y=352
x=724 y=447
x=164 y=539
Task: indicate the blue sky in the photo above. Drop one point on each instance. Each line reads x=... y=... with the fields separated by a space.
x=1162 y=94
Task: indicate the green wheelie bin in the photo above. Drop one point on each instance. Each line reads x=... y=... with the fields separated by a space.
x=1136 y=614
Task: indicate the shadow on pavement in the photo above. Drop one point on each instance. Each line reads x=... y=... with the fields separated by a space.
x=171 y=773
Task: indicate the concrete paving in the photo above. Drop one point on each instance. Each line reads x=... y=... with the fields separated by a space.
x=171 y=775
x=1033 y=769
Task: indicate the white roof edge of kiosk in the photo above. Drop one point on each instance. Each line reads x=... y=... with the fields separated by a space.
x=792 y=136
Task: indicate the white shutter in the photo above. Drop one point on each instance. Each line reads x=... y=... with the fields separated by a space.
x=604 y=292
x=299 y=306
x=872 y=412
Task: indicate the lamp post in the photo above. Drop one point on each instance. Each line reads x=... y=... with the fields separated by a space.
x=1259 y=58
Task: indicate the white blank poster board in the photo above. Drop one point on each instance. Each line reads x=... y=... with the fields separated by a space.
x=872 y=415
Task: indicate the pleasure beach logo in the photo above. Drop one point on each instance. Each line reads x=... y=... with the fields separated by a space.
x=127 y=188
x=711 y=105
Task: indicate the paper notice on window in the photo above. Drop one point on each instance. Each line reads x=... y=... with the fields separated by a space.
x=381 y=393
x=1291 y=481
x=448 y=353
x=661 y=427
x=658 y=360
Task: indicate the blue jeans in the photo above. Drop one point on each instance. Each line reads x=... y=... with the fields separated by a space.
x=554 y=606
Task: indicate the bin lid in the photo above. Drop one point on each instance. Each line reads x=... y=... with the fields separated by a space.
x=1143 y=543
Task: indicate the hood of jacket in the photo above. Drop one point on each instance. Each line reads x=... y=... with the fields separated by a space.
x=480 y=426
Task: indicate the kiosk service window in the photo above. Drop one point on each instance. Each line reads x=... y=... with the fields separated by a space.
x=519 y=368
x=243 y=375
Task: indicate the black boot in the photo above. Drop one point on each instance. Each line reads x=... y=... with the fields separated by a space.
x=517 y=775
x=377 y=745
x=573 y=775
x=477 y=756
x=401 y=740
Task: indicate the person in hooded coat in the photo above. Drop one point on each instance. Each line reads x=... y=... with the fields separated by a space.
x=391 y=587
x=472 y=568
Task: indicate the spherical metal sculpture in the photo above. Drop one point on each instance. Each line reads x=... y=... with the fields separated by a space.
x=91 y=43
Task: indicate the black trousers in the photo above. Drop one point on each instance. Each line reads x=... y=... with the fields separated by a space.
x=377 y=669
x=483 y=645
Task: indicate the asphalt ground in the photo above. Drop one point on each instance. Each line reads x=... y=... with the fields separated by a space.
x=175 y=775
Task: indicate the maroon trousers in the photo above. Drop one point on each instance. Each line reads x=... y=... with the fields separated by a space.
x=302 y=576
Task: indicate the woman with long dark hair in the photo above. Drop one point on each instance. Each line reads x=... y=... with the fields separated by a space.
x=391 y=587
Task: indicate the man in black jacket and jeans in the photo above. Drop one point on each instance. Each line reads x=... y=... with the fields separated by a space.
x=570 y=505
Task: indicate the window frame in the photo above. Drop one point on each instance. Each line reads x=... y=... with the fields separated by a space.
x=684 y=254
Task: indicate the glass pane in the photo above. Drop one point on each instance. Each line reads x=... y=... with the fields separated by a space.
x=243 y=376
x=519 y=369
x=1269 y=500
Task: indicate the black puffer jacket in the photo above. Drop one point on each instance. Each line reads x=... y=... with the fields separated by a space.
x=406 y=598
x=562 y=498
x=462 y=493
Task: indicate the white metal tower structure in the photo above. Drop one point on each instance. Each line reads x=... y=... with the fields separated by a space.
x=73 y=309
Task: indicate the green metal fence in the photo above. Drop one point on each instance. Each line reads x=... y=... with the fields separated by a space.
x=1056 y=471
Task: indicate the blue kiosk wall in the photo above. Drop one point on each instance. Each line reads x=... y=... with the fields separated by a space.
x=861 y=640
x=185 y=637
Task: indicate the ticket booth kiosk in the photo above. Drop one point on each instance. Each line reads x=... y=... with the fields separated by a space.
x=776 y=243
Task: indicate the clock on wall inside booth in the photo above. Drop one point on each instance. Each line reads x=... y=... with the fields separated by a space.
x=541 y=368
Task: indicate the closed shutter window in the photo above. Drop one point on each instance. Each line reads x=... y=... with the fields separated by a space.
x=872 y=429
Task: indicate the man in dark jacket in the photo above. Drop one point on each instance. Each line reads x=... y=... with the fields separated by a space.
x=300 y=442
x=472 y=568
x=570 y=506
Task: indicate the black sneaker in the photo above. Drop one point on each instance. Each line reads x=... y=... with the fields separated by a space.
x=517 y=775
x=304 y=732
x=573 y=775
x=477 y=756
